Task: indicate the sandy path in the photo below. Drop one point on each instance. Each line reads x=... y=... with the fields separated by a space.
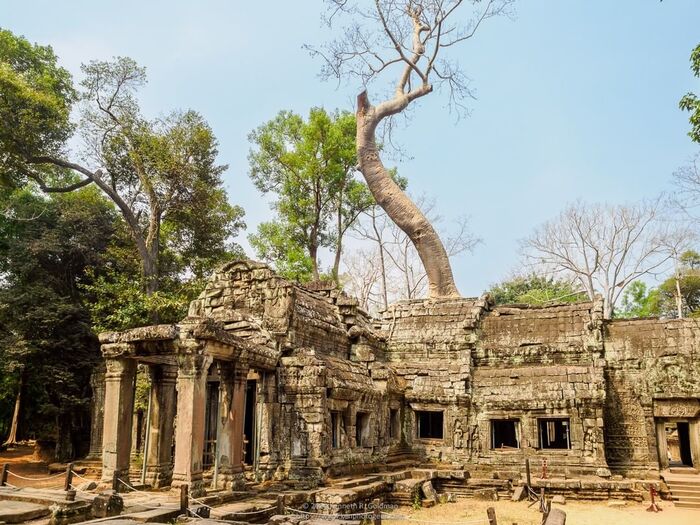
x=577 y=513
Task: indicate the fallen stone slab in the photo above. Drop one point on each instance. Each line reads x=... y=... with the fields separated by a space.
x=428 y=491
x=486 y=494
x=556 y=517
x=518 y=494
x=19 y=511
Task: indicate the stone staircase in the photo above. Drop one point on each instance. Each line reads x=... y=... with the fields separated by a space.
x=685 y=489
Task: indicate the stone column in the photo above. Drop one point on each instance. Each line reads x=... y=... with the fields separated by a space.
x=694 y=435
x=191 y=408
x=231 y=419
x=661 y=444
x=97 y=406
x=159 y=461
x=118 y=411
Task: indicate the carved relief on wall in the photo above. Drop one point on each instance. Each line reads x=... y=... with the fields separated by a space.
x=458 y=435
x=677 y=408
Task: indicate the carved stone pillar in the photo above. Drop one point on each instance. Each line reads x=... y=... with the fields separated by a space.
x=694 y=431
x=118 y=410
x=231 y=418
x=159 y=462
x=661 y=444
x=97 y=406
x=191 y=409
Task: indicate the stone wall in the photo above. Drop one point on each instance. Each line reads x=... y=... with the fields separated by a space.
x=534 y=363
x=650 y=362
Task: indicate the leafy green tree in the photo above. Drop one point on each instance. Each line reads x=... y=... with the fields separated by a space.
x=681 y=292
x=535 y=289
x=275 y=242
x=161 y=174
x=690 y=102
x=47 y=347
x=640 y=301
x=310 y=168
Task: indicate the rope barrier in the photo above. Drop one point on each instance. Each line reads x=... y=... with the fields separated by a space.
x=201 y=503
x=80 y=477
x=10 y=473
x=88 y=495
x=133 y=488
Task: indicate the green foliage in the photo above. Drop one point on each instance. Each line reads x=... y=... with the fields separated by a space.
x=535 y=289
x=662 y=301
x=310 y=168
x=639 y=301
x=46 y=247
x=274 y=242
x=690 y=102
x=687 y=278
x=35 y=106
x=162 y=174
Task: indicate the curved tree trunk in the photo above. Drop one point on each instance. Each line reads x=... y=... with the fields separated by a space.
x=14 y=425
x=405 y=214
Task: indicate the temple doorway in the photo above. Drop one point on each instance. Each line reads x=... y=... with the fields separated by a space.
x=677 y=439
x=249 y=423
x=678 y=444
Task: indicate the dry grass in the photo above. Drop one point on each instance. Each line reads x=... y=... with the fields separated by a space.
x=577 y=513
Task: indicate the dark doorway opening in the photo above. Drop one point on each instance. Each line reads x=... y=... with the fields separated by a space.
x=504 y=433
x=554 y=433
x=684 y=443
x=362 y=429
x=249 y=422
x=336 y=424
x=211 y=424
x=430 y=424
x=394 y=423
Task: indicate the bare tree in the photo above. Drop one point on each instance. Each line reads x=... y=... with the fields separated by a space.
x=404 y=40
x=606 y=247
x=363 y=278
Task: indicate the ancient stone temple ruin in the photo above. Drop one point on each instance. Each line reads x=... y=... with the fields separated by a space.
x=287 y=382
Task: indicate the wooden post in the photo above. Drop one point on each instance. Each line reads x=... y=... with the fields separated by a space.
x=654 y=507
x=527 y=472
x=69 y=477
x=377 y=511
x=115 y=481
x=184 y=498
x=4 y=473
x=491 y=513
x=280 y=504
x=543 y=501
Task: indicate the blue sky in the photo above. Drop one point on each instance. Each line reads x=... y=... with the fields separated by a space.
x=576 y=99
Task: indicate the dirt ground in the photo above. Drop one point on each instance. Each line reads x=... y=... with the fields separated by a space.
x=467 y=511
x=23 y=463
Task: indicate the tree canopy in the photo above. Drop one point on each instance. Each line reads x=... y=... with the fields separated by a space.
x=161 y=173
x=690 y=102
x=309 y=167
x=47 y=346
x=535 y=289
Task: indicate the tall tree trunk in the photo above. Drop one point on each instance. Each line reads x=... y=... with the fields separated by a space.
x=313 y=254
x=405 y=214
x=382 y=260
x=679 y=297
x=12 y=437
x=151 y=274
x=338 y=246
